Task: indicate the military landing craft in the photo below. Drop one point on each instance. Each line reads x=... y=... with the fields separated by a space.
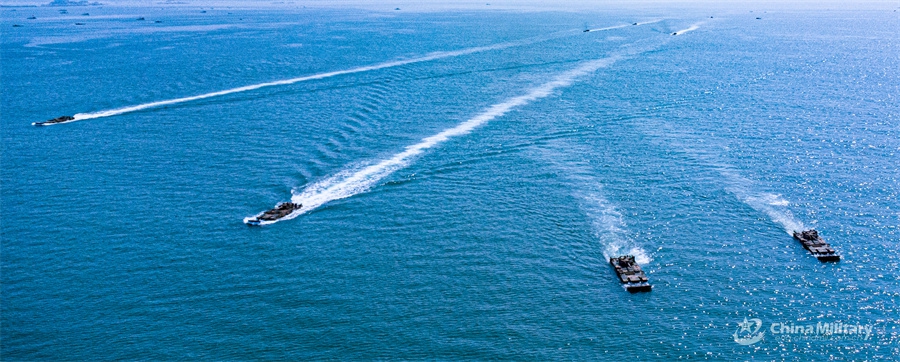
x=816 y=245
x=630 y=274
x=281 y=210
x=62 y=119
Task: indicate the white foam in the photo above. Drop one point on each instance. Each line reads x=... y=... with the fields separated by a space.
x=624 y=25
x=608 y=225
x=773 y=205
x=51 y=124
x=689 y=29
x=610 y=27
x=610 y=228
x=353 y=182
x=775 y=200
x=769 y=204
x=425 y=58
x=650 y=22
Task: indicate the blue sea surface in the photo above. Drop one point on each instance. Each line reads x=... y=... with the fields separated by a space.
x=422 y=237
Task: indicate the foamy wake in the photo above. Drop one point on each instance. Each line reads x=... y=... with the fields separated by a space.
x=607 y=223
x=352 y=182
x=425 y=58
x=689 y=29
x=610 y=27
x=650 y=22
x=624 y=25
x=773 y=205
x=610 y=228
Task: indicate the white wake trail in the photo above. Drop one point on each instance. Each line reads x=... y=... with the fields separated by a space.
x=623 y=26
x=610 y=27
x=347 y=184
x=610 y=228
x=689 y=29
x=773 y=205
x=425 y=58
x=607 y=223
x=650 y=22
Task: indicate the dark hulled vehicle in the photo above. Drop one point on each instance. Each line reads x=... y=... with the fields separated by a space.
x=630 y=274
x=816 y=245
x=56 y=120
x=281 y=210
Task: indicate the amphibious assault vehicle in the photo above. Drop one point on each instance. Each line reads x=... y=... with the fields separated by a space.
x=281 y=210
x=816 y=245
x=630 y=274
x=56 y=120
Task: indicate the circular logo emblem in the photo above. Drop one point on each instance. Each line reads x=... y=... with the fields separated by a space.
x=748 y=332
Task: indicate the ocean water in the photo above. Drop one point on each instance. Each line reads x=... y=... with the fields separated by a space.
x=465 y=175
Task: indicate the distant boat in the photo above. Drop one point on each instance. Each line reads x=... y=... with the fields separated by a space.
x=758 y=18
x=140 y=19
x=85 y=14
x=32 y=17
x=16 y=26
x=56 y=120
x=158 y=21
x=79 y=23
x=281 y=210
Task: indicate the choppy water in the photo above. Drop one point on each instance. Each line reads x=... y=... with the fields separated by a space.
x=465 y=175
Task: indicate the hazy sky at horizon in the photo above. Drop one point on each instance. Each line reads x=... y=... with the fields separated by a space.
x=572 y=5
